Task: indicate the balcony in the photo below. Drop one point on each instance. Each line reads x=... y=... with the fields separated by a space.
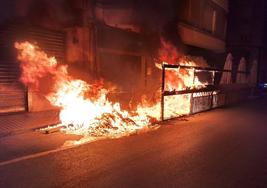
x=195 y=37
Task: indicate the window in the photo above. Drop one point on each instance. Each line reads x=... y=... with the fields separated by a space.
x=220 y=24
x=183 y=10
x=195 y=14
x=204 y=15
x=214 y=20
x=208 y=18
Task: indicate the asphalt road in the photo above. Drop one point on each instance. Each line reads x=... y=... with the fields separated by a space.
x=221 y=148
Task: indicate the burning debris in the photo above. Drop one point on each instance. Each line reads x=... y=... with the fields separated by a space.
x=83 y=112
x=85 y=109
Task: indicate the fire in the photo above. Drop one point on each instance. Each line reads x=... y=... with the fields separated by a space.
x=85 y=109
x=81 y=112
x=179 y=79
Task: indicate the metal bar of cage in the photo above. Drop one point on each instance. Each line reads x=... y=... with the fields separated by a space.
x=170 y=66
x=209 y=88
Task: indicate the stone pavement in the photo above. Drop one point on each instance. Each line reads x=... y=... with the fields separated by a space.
x=11 y=124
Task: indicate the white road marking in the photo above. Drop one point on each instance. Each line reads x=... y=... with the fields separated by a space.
x=36 y=155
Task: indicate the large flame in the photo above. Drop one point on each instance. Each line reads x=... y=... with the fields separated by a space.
x=81 y=113
x=180 y=78
x=177 y=79
x=85 y=109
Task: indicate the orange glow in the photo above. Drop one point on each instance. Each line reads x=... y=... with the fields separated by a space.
x=85 y=109
x=179 y=79
x=80 y=113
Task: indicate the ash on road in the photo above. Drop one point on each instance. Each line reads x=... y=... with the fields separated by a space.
x=222 y=148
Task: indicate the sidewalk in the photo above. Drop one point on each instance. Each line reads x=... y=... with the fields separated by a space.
x=11 y=124
x=220 y=148
x=18 y=138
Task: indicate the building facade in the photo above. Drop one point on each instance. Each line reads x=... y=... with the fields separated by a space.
x=202 y=27
x=246 y=34
x=203 y=24
x=113 y=39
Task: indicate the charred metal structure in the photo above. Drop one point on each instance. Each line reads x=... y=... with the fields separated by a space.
x=213 y=95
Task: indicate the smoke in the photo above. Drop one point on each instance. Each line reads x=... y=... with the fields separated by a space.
x=6 y=10
x=159 y=17
x=56 y=13
x=154 y=15
x=156 y=19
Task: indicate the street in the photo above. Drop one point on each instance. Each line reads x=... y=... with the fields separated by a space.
x=221 y=148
